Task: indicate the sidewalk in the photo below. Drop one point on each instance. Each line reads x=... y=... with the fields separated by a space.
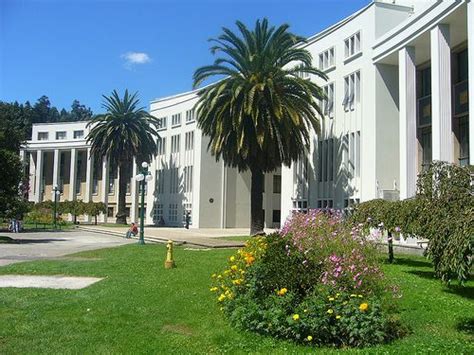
x=204 y=237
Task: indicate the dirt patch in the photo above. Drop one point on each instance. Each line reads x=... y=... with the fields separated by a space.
x=178 y=329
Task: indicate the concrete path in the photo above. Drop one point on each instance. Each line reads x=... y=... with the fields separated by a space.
x=47 y=245
x=203 y=237
x=56 y=282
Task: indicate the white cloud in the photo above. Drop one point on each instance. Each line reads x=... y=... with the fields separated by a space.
x=134 y=58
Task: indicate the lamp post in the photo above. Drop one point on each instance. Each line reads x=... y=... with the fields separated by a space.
x=56 y=193
x=144 y=177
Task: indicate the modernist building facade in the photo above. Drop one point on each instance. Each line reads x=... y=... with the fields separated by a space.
x=399 y=74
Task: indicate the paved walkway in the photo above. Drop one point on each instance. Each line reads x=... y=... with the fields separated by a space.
x=52 y=281
x=203 y=237
x=47 y=245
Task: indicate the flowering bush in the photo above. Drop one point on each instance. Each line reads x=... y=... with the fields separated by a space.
x=316 y=282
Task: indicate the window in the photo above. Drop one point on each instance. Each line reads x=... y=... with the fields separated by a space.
x=160 y=181
x=425 y=142
x=80 y=160
x=325 y=203
x=326 y=160
x=276 y=216
x=357 y=154
x=95 y=178
x=112 y=174
x=188 y=208
x=110 y=211
x=174 y=183
x=60 y=135
x=188 y=178
x=43 y=136
x=351 y=91
x=277 y=184
x=175 y=143
x=62 y=170
x=300 y=205
x=157 y=213
x=352 y=45
x=173 y=212
x=331 y=159
x=161 y=145
x=161 y=123
x=190 y=115
x=328 y=105
x=326 y=59
x=176 y=120
x=189 y=141
x=78 y=134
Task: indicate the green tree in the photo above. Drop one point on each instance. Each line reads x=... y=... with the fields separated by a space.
x=75 y=208
x=260 y=115
x=94 y=209
x=125 y=131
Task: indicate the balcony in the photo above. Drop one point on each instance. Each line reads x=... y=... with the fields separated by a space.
x=424 y=111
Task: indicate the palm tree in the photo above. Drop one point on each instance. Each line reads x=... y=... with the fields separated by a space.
x=260 y=114
x=124 y=132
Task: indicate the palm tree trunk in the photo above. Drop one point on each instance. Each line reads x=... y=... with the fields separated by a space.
x=123 y=176
x=256 y=202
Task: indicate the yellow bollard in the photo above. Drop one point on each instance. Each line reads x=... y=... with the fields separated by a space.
x=169 y=263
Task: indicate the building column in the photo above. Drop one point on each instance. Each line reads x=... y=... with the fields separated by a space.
x=287 y=185
x=39 y=176
x=134 y=193
x=441 y=125
x=89 y=172
x=150 y=193
x=72 y=175
x=105 y=186
x=56 y=168
x=32 y=180
x=470 y=54
x=407 y=122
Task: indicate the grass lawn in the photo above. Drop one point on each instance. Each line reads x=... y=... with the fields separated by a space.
x=142 y=308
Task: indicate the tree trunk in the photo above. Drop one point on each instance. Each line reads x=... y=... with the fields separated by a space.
x=390 y=247
x=95 y=220
x=123 y=178
x=256 y=202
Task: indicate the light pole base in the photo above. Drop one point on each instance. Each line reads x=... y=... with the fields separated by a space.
x=141 y=242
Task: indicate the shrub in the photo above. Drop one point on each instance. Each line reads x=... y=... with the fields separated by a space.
x=317 y=282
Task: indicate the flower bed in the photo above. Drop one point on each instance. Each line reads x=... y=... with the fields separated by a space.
x=317 y=281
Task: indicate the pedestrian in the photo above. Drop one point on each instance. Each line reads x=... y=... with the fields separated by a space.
x=187 y=219
x=133 y=231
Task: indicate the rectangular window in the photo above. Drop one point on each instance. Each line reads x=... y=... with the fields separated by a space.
x=161 y=123
x=329 y=102
x=43 y=136
x=352 y=154
x=276 y=216
x=351 y=91
x=173 y=212
x=188 y=179
x=161 y=145
x=158 y=213
x=190 y=115
x=320 y=160
x=189 y=141
x=425 y=142
x=160 y=181
x=79 y=134
x=112 y=174
x=326 y=59
x=176 y=120
x=325 y=160
x=174 y=183
x=352 y=45
x=110 y=211
x=175 y=143
x=60 y=135
x=187 y=209
x=331 y=159
x=277 y=184
x=79 y=166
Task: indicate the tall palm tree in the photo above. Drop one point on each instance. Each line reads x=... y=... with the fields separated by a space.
x=259 y=115
x=124 y=132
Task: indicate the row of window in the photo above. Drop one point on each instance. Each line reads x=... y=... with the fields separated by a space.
x=60 y=135
x=175 y=143
x=175 y=180
x=351 y=94
x=327 y=58
x=175 y=119
x=159 y=218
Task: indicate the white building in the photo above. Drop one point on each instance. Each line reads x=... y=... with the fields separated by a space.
x=399 y=73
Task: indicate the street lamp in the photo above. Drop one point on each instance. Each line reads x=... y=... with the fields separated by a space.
x=144 y=177
x=56 y=193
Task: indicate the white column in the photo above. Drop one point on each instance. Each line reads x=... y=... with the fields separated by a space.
x=32 y=181
x=441 y=126
x=105 y=186
x=287 y=184
x=56 y=168
x=39 y=175
x=72 y=175
x=89 y=172
x=470 y=54
x=407 y=121
x=134 y=193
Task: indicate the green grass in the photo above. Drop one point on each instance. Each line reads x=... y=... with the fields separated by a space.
x=142 y=308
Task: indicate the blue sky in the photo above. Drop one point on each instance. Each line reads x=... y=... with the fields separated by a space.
x=81 y=49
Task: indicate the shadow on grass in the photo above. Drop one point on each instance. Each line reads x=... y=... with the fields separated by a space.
x=412 y=263
x=466 y=325
x=466 y=292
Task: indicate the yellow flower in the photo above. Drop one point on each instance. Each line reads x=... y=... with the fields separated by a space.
x=296 y=317
x=282 y=292
x=213 y=276
x=360 y=296
x=330 y=311
x=221 y=298
x=353 y=295
x=237 y=282
x=232 y=258
x=305 y=311
x=213 y=289
x=331 y=298
x=363 y=307
x=309 y=338
x=226 y=272
x=338 y=294
x=338 y=317
x=344 y=303
x=219 y=276
x=234 y=268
